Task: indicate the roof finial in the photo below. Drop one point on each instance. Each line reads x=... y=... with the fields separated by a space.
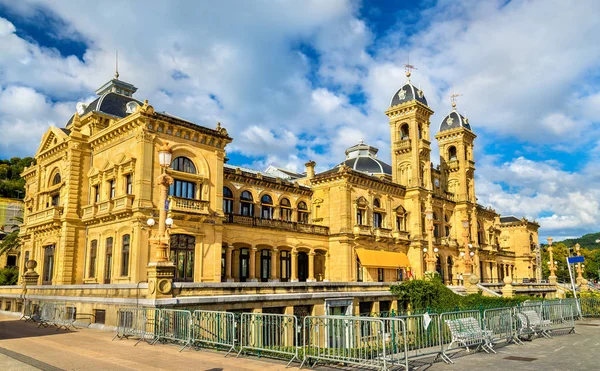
x=453 y=97
x=361 y=141
x=117 y=65
x=408 y=67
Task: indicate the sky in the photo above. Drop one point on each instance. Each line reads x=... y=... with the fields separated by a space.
x=294 y=81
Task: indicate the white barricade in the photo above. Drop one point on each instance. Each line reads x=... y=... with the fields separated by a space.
x=274 y=335
x=214 y=328
x=140 y=323
x=352 y=340
x=499 y=322
x=463 y=329
x=175 y=325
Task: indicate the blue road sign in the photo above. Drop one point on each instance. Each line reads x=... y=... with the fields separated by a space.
x=575 y=259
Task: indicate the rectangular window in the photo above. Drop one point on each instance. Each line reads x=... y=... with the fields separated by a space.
x=55 y=200
x=112 y=187
x=285 y=265
x=360 y=213
x=128 y=184
x=48 y=265
x=183 y=189
x=11 y=261
x=302 y=217
x=380 y=274
x=223 y=262
x=92 y=266
x=400 y=275
x=99 y=316
x=125 y=255
x=359 y=271
x=108 y=262
x=96 y=193
x=286 y=214
x=227 y=206
x=377 y=220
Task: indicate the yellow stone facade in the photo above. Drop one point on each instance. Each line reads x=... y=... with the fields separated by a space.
x=92 y=190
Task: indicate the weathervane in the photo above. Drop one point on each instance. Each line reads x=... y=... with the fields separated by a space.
x=117 y=66
x=408 y=67
x=453 y=97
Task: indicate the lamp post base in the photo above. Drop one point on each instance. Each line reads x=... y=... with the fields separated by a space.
x=160 y=280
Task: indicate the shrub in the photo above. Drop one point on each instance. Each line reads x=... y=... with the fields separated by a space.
x=9 y=276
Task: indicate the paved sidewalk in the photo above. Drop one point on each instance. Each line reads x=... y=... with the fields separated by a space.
x=25 y=347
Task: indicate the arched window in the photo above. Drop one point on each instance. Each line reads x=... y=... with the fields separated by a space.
x=56 y=179
x=286 y=210
x=246 y=204
x=302 y=212
x=266 y=207
x=183 y=164
x=452 y=153
x=404 y=133
x=182 y=255
x=227 y=201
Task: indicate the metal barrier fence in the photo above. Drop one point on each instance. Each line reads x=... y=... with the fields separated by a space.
x=590 y=307
x=422 y=335
x=396 y=344
x=141 y=323
x=352 y=340
x=274 y=335
x=175 y=325
x=55 y=314
x=215 y=328
x=463 y=329
x=500 y=324
x=558 y=316
x=29 y=311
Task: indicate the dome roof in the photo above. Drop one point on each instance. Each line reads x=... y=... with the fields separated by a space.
x=407 y=93
x=363 y=157
x=110 y=103
x=454 y=120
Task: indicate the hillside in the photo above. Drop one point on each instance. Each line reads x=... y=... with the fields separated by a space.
x=587 y=241
x=11 y=183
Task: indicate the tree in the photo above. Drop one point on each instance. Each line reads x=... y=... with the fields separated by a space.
x=11 y=240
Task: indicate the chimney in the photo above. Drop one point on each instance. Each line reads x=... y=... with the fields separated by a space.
x=310 y=169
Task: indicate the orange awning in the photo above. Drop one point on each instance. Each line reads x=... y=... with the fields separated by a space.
x=382 y=259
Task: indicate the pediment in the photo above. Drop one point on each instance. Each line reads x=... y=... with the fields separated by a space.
x=51 y=138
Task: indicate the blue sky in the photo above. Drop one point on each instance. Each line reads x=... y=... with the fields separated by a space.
x=294 y=81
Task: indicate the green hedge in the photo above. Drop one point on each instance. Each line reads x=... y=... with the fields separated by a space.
x=434 y=296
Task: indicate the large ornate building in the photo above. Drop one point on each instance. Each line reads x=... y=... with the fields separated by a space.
x=92 y=190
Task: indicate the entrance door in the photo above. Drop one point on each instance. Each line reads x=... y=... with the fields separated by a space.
x=302 y=266
x=265 y=265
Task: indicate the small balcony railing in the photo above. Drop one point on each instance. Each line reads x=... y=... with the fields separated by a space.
x=276 y=224
x=48 y=215
x=187 y=205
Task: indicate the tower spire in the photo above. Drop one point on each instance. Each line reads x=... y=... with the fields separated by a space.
x=117 y=66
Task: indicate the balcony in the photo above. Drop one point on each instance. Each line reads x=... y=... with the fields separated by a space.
x=400 y=235
x=88 y=212
x=46 y=216
x=382 y=233
x=453 y=165
x=362 y=230
x=402 y=146
x=123 y=203
x=276 y=224
x=186 y=205
x=104 y=207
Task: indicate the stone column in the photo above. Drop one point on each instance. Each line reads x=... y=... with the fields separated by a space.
x=274 y=263
x=311 y=267
x=228 y=263
x=294 y=266
x=326 y=268
x=252 y=265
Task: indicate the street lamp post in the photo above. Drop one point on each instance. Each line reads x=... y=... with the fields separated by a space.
x=430 y=258
x=551 y=263
x=467 y=254
x=161 y=269
x=579 y=270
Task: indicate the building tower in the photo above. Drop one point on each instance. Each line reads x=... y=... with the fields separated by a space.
x=457 y=165
x=410 y=139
